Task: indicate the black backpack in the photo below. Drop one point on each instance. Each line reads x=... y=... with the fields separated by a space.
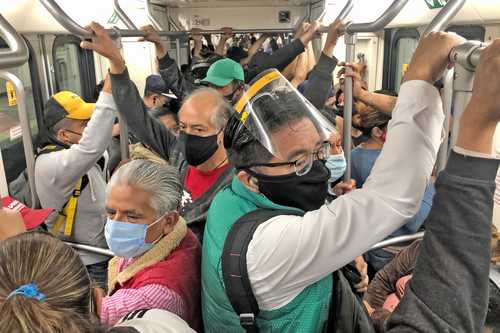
x=346 y=314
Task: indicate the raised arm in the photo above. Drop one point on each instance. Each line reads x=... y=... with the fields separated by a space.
x=254 y=48
x=324 y=240
x=169 y=71
x=221 y=46
x=320 y=79
x=283 y=56
x=127 y=98
x=449 y=288
x=384 y=103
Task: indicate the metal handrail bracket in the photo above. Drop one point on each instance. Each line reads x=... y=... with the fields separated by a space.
x=17 y=54
x=123 y=17
x=149 y=12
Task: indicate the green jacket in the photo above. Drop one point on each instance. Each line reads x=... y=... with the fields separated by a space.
x=308 y=312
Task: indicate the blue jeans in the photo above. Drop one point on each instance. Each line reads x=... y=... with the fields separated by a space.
x=99 y=274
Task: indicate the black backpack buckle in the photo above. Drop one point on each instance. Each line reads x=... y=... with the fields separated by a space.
x=247 y=319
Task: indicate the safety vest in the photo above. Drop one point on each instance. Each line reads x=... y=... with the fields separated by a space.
x=67 y=214
x=308 y=312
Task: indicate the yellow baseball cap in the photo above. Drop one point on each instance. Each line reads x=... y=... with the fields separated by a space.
x=66 y=104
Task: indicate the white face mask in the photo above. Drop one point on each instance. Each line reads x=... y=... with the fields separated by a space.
x=128 y=240
x=337 y=166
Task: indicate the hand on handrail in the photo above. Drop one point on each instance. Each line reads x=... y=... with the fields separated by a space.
x=153 y=37
x=104 y=45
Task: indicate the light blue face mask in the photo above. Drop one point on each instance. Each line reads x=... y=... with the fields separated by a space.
x=127 y=240
x=337 y=165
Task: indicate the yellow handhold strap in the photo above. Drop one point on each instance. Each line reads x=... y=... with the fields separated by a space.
x=68 y=213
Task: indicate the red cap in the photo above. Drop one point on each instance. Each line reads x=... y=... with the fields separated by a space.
x=32 y=217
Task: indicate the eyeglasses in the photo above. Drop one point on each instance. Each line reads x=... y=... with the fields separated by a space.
x=76 y=133
x=301 y=165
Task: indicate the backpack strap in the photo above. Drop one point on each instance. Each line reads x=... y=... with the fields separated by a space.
x=67 y=215
x=234 y=265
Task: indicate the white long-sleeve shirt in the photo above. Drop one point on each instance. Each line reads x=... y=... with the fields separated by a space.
x=289 y=253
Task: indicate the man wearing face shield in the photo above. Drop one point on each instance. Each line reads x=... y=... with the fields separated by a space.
x=278 y=144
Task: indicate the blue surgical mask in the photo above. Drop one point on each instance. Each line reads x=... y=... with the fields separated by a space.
x=337 y=165
x=127 y=240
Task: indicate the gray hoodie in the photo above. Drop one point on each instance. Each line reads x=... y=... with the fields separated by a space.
x=57 y=173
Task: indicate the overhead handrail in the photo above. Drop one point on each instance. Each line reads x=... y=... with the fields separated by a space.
x=149 y=12
x=123 y=17
x=29 y=153
x=400 y=240
x=350 y=40
x=92 y=249
x=17 y=53
x=444 y=17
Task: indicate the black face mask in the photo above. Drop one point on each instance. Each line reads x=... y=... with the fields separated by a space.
x=307 y=192
x=198 y=149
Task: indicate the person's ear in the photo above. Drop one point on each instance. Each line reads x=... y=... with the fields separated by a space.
x=248 y=181
x=220 y=138
x=377 y=132
x=63 y=136
x=171 y=220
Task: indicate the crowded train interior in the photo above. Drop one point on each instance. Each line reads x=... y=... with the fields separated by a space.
x=151 y=151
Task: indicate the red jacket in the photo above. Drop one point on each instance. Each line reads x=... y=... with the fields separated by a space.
x=180 y=272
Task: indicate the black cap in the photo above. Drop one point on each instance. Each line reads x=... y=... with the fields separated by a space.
x=236 y=53
x=155 y=84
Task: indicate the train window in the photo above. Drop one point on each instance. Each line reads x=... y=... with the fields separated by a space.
x=399 y=47
x=66 y=64
x=405 y=47
x=10 y=129
x=471 y=32
x=73 y=66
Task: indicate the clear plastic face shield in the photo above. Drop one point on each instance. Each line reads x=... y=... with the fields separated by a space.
x=284 y=122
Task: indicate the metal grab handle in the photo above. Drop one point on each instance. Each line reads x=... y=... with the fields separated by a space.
x=123 y=17
x=445 y=15
x=397 y=240
x=65 y=20
x=17 y=53
x=390 y=13
x=26 y=132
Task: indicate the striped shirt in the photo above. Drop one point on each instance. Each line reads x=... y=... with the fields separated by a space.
x=153 y=296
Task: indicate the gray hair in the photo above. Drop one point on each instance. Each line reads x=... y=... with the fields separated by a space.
x=219 y=119
x=161 y=181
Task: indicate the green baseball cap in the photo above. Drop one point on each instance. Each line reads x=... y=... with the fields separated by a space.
x=223 y=71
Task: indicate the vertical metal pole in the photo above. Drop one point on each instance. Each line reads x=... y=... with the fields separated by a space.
x=447 y=105
x=124 y=150
x=124 y=143
x=462 y=86
x=178 y=51
x=26 y=132
x=350 y=41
